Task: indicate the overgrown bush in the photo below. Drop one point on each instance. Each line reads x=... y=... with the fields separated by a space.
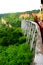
x=16 y=55
x=22 y=39
x=10 y=35
x=13 y=47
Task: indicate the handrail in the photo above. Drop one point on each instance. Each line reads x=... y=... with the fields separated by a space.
x=31 y=29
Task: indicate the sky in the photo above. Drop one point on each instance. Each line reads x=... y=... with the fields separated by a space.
x=11 y=6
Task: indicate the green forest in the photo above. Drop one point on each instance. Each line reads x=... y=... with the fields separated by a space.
x=14 y=50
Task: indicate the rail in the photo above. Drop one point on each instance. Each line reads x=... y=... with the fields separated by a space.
x=32 y=32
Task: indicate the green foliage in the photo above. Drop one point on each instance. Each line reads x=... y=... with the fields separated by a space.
x=10 y=35
x=13 y=20
x=18 y=13
x=22 y=39
x=30 y=18
x=16 y=55
x=13 y=47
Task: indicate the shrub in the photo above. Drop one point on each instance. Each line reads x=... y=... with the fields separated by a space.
x=16 y=55
x=9 y=35
x=22 y=39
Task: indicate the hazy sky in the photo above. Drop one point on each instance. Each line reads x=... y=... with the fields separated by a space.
x=7 y=6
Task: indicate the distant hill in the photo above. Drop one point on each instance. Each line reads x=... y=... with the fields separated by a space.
x=18 y=13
